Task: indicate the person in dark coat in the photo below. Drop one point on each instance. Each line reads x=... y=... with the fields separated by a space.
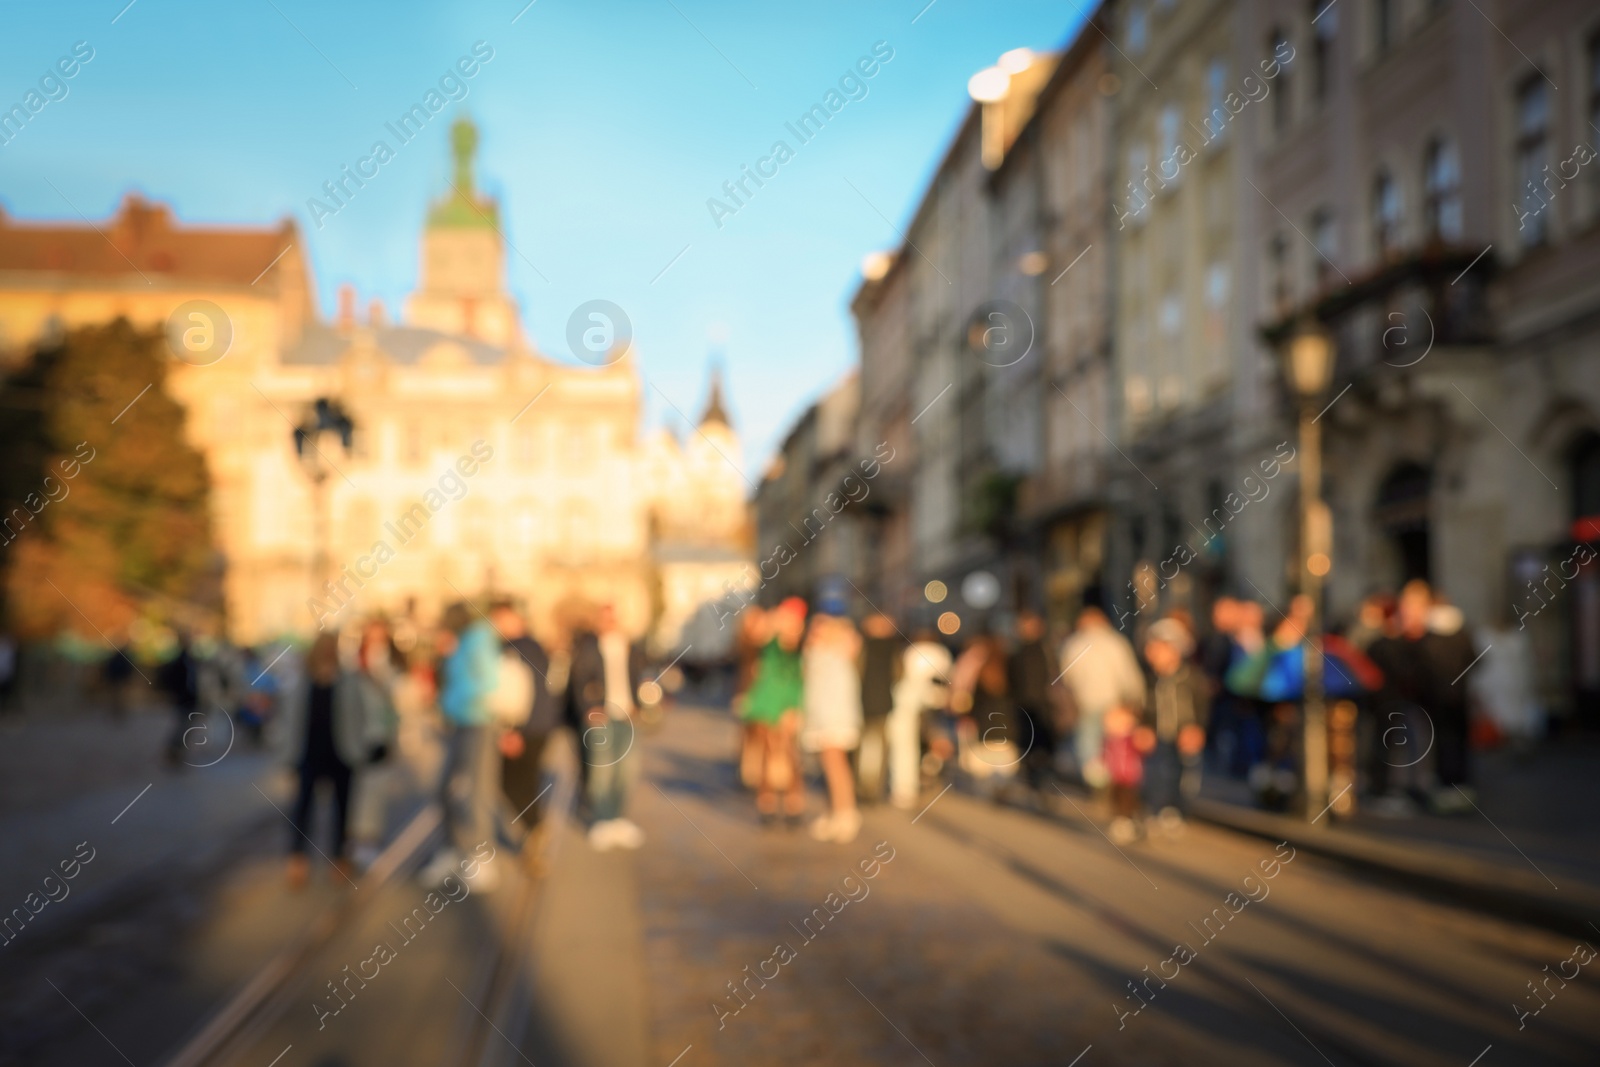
x=179 y=678
x=522 y=748
x=1447 y=654
x=881 y=652
x=1403 y=733
x=1030 y=672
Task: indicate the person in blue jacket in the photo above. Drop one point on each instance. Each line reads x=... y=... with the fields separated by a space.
x=469 y=652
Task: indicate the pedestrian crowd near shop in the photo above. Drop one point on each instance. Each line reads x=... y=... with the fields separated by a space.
x=1139 y=716
x=883 y=710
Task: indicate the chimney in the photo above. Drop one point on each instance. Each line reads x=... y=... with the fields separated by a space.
x=377 y=315
x=347 y=308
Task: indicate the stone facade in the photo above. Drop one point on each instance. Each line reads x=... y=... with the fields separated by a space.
x=563 y=500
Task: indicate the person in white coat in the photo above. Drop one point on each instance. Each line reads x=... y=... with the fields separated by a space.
x=1102 y=672
x=923 y=686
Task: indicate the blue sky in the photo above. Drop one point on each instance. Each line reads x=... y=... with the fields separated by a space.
x=605 y=129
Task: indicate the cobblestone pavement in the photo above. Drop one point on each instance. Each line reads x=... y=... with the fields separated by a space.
x=999 y=936
x=984 y=935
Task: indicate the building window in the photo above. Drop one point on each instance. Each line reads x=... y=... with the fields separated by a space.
x=1594 y=116
x=1278 y=257
x=1138 y=200
x=1138 y=29
x=1533 y=133
x=1324 y=25
x=1168 y=164
x=1385 y=25
x=1385 y=214
x=1278 y=44
x=1216 y=120
x=1325 y=236
x=1442 y=182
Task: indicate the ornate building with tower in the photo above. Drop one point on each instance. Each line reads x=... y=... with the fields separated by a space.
x=476 y=463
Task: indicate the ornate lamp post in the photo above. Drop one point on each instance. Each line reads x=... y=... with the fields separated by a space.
x=326 y=427
x=1310 y=369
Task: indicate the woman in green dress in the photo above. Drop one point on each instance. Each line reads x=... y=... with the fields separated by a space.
x=773 y=706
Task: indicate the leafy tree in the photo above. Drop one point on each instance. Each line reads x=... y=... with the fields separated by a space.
x=103 y=504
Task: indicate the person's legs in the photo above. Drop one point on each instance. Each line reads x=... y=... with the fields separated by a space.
x=874 y=760
x=340 y=776
x=605 y=772
x=841 y=786
x=301 y=820
x=460 y=784
x=785 y=760
x=905 y=773
x=1087 y=742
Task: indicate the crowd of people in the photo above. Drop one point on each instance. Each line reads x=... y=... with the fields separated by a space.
x=1137 y=717
x=480 y=683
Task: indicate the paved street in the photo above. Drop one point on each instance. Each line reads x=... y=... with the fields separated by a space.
x=985 y=934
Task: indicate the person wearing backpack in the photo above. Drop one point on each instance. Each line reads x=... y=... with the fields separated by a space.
x=524 y=709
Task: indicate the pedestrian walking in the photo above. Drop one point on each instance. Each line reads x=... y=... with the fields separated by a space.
x=8 y=671
x=117 y=673
x=880 y=666
x=526 y=729
x=468 y=670
x=378 y=665
x=1103 y=673
x=773 y=704
x=832 y=702
x=1030 y=671
x=924 y=686
x=179 y=679
x=1447 y=654
x=1177 y=719
x=989 y=741
x=1123 y=744
x=324 y=733
x=607 y=670
x=1402 y=736
x=753 y=633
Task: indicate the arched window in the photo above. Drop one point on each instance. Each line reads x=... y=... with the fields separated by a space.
x=1324 y=27
x=1533 y=135
x=1278 y=44
x=1386 y=211
x=1442 y=181
x=1402 y=513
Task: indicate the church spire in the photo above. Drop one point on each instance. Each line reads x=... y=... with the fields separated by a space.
x=462 y=206
x=715 y=410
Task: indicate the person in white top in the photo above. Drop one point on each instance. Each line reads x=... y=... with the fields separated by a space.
x=923 y=685
x=832 y=688
x=1102 y=672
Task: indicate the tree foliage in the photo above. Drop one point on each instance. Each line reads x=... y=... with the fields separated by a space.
x=103 y=502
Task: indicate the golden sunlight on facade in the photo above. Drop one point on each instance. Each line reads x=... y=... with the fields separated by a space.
x=477 y=464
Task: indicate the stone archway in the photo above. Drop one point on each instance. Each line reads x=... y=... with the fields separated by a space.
x=1401 y=515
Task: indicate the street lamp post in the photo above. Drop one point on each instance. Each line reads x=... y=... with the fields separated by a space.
x=324 y=428
x=1310 y=370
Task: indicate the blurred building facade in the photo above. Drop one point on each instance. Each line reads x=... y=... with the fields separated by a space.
x=479 y=464
x=1404 y=176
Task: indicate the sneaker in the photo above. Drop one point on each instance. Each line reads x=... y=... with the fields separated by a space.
x=846 y=826
x=822 y=828
x=442 y=866
x=1123 y=830
x=1171 y=821
x=487 y=880
x=627 y=833
x=602 y=835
